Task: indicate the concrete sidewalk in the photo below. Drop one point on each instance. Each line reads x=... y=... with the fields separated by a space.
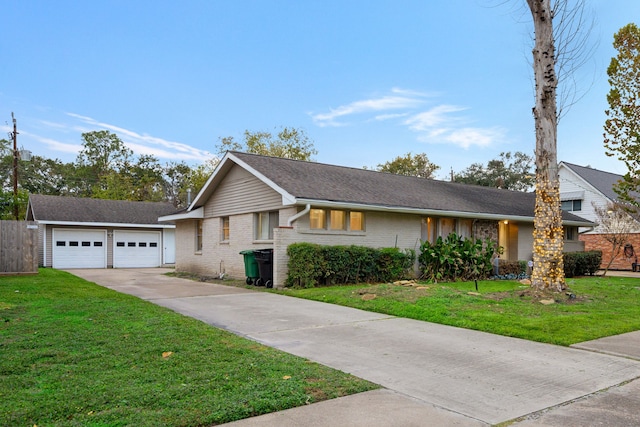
x=434 y=374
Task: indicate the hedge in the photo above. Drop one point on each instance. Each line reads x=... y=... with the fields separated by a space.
x=582 y=263
x=312 y=264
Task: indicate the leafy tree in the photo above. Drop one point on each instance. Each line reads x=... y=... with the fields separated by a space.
x=289 y=143
x=410 y=165
x=46 y=176
x=622 y=127
x=102 y=158
x=509 y=171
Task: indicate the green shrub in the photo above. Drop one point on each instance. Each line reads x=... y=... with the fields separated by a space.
x=581 y=263
x=311 y=264
x=455 y=258
x=511 y=267
x=394 y=265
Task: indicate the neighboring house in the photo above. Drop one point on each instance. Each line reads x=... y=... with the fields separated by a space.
x=580 y=189
x=256 y=202
x=95 y=233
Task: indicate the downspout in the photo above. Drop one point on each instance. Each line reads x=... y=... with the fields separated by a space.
x=299 y=215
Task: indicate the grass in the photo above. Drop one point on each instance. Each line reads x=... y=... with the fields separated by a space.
x=75 y=354
x=602 y=306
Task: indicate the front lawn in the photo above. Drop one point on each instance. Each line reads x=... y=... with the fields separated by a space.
x=601 y=307
x=75 y=354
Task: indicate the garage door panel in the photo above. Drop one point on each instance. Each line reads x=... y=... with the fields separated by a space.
x=136 y=249
x=79 y=248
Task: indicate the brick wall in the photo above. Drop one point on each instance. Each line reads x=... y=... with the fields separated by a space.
x=381 y=230
x=598 y=242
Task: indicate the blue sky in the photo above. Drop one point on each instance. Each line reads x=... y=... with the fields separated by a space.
x=368 y=80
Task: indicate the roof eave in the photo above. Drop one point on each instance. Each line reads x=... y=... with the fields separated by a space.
x=105 y=224
x=197 y=213
x=433 y=212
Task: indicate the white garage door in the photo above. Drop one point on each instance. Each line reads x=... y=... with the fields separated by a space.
x=136 y=249
x=79 y=248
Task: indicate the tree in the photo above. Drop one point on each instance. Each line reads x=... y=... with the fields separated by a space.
x=616 y=224
x=410 y=165
x=102 y=165
x=509 y=171
x=622 y=127
x=289 y=143
x=548 y=267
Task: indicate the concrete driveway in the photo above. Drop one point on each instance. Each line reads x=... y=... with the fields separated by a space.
x=433 y=374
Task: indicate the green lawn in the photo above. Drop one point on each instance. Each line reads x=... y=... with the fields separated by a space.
x=75 y=354
x=601 y=307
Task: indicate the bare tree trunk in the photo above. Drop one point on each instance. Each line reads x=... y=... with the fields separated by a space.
x=548 y=265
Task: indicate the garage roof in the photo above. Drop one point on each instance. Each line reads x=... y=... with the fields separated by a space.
x=75 y=210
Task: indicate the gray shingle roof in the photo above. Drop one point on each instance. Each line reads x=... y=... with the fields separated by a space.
x=318 y=181
x=74 y=209
x=600 y=180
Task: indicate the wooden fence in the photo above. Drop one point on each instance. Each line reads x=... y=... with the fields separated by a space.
x=18 y=247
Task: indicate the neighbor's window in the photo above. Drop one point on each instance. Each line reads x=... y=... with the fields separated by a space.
x=570 y=233
x=571 y=205
x=356 y=221
x=199 y=235
x=224 y=228
x=265 y=222
x=338 y=220
x=317 y=219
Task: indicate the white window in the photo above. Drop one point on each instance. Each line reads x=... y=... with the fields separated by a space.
x=571 y=205
x=265 y=222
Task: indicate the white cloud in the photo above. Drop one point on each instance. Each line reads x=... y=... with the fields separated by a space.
x=440 y=123
x=466 y=137
x=399 y=100
x=431 y=118
x=147 y=144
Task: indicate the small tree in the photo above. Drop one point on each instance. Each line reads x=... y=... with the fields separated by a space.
x=289 y=143
x=616 y=223
x=509 y=171
x=410 y=165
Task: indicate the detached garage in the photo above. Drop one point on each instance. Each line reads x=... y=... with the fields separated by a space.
x=96 y=233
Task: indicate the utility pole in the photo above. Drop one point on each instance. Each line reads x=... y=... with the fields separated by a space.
x=14 y=136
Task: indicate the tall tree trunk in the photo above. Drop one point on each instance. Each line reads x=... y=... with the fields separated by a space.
x=548 y=266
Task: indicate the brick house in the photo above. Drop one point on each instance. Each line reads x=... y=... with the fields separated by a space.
x=582 y=188
x=257 y=202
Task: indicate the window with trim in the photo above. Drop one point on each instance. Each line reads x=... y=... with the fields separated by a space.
x=356 y=221
x=198 y=232
x=434 y=227
x=265 y=222
x=224 y=229
x=571 y=205
x=336 y=220
x=317 y=219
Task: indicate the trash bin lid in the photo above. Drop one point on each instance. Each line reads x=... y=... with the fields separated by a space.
x=246 y=252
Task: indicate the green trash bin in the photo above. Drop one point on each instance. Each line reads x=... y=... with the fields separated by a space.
x=250 y=266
